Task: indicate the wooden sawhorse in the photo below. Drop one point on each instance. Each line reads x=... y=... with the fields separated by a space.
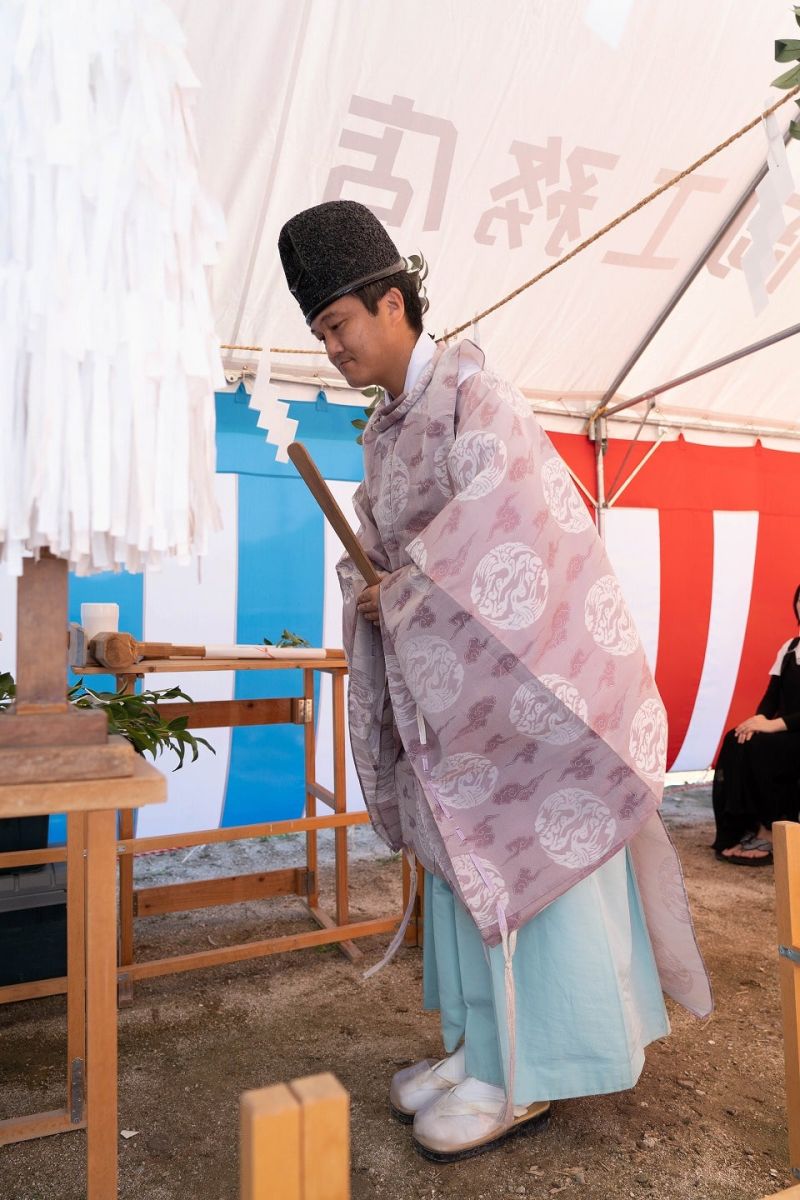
x=303 y=882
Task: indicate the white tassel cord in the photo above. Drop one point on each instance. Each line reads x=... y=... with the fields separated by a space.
x=108 y=357
x=509 y=942
x=397 y=940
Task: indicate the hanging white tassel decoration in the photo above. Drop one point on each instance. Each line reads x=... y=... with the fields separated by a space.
x=108 y=357
x=273 y=413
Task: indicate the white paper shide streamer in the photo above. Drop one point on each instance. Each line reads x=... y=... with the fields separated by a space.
x=273 y=413
x=108 y=358
x=769 y=221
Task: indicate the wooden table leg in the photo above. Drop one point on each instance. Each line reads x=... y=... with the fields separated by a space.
x=312 y=860
x=126 y=824
x=127 y=819
x=101 y=1006
x=340 y=800
x=76 y=966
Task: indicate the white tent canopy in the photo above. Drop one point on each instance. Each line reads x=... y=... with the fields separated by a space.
x=494 y=139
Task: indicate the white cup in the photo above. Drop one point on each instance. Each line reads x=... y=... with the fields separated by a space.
x=99 y=618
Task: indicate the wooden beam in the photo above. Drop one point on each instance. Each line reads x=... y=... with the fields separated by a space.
x=326 y=921
x=270 y=1145
x=248 y=950
x=211 y=714
x=786 y=839
x=102 y=1133
x=32 y=858
x=321 y=793
x=110 y=759
x=228 y=889
x=12 y=993
x=207 y=837
x=325 y=1135
x=145 y=786
x=23 y=1129
x=341 y=884
x=76 y=965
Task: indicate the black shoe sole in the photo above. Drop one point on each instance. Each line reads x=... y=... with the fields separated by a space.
x=403 y=1117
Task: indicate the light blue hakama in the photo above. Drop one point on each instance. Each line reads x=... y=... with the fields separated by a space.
x=588 y=996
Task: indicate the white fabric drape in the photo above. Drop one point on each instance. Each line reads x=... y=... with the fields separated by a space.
x=108 y=358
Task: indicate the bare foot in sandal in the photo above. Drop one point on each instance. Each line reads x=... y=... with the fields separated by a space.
x=755 y=850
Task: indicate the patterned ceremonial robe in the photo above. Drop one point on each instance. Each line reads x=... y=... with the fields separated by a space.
x=504 y=722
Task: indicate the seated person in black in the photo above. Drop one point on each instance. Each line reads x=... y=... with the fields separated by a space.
x=757 y=777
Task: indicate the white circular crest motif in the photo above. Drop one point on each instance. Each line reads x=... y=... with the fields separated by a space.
x=393 y=495
x=478 y=463
x=648 y=739
x=552 y=709
x=562 y=498
x=403 y=705
x=464 y=780
x=481 y=900
x=608 y=619
x=512 y=396
x=575 y=828
x=433 y=672
x=510 y=586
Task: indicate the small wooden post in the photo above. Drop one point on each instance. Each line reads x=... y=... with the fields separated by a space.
x=786 y=839
x=325 y=1132
x=295 y=1141
x=270 y=1159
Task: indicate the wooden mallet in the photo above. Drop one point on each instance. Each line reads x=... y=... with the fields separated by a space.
x=322 y=494
x=118 y=651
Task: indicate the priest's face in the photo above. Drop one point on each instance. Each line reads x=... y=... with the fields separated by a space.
x=367 y=348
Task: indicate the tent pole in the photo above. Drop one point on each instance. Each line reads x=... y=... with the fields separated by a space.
x=599 y=432
x=699 y=371
x=695 y=270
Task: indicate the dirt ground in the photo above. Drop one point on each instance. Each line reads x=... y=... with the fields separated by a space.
x=706 y=1119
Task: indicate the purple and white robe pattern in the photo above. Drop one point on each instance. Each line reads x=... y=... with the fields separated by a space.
x=504 y=722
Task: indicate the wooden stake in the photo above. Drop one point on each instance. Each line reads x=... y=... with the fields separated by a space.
x=325 y=1131
x=270 y=1145
x=786 y=839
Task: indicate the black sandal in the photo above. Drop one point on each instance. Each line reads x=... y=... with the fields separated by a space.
x=749 y=843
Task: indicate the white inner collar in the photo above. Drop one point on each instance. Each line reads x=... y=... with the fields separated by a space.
x=421 y=355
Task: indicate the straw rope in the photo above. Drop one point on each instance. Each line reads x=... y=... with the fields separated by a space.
x=584 y=245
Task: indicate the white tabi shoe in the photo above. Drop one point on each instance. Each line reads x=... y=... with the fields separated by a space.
x=413 y=1088
x=470 y=1119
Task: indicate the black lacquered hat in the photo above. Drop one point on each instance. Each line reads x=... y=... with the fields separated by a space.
x=332 y=249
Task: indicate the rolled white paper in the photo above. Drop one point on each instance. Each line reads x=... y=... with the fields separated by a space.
x=264 y=652
x=237 y=651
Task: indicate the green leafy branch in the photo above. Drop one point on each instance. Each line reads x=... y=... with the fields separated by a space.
x=788 y=50
x=136 y=717
x=375 y=395
x=8 y=690
x=288 y=638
